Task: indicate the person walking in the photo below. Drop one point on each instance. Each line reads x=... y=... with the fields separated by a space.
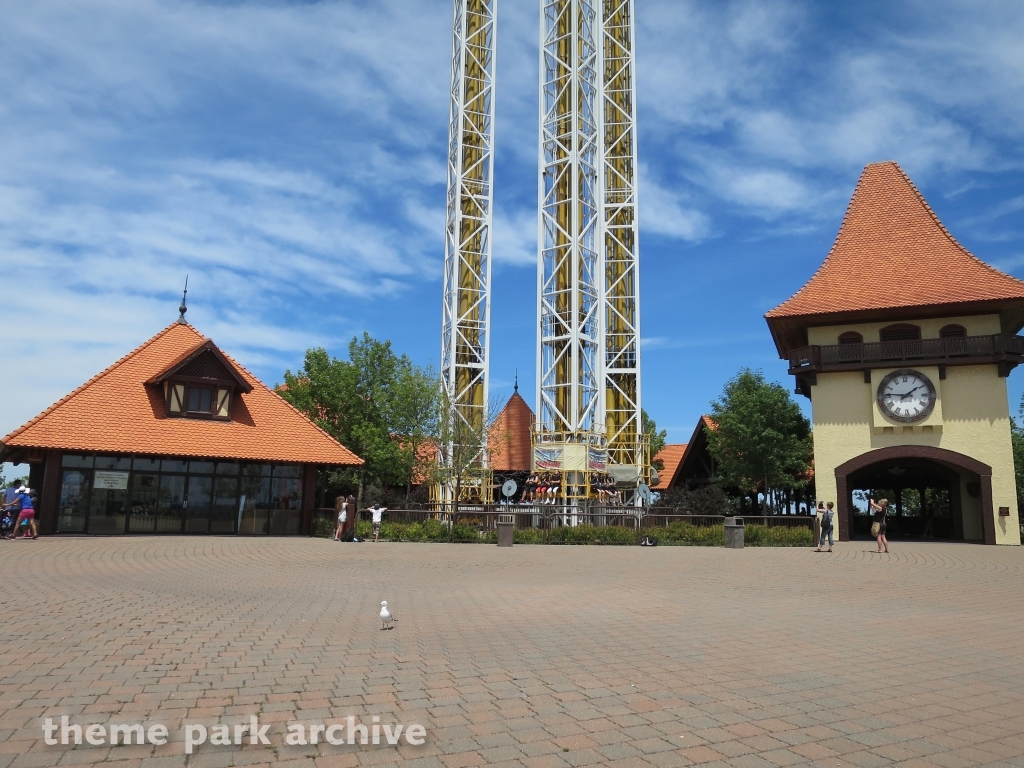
x=26 y=515
x=879 y=512
x=827 y=521
x=377 y=511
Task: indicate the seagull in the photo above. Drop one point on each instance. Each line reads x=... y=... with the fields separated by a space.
x=385 y=615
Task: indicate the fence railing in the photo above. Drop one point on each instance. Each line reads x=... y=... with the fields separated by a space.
x=815 y=357
x=544 y=524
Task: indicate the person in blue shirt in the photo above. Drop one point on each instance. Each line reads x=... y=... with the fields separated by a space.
x=28 y=514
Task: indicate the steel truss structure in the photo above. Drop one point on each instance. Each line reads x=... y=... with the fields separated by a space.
x=588 y=355
x=465 y=344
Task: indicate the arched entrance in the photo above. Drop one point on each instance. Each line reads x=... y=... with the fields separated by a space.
x=967 y=484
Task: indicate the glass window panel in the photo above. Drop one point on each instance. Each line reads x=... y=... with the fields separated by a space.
x=74 y=495
x=254 y=504
x=197 y=510
x=173 y=465
x=145 y=498
x=287 y=470
x=287 y=506
x=200 y=399
x=148 y=465
x=227 y=467
x=200 y=467
x=225 y=505
x=77 y=460
x=113 y=462
x=108 y=508
x=255 y=470
x=171 y=504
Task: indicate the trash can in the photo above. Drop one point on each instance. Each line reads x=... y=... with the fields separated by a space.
x=734 y=533
x=506 y=524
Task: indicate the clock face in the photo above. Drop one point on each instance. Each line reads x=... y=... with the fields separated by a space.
x=906 y=395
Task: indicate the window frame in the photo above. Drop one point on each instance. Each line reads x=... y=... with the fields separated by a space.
x=900 y=328
x=177 y=393
x=953 y=331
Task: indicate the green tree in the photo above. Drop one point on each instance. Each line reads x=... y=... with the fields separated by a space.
x=414 y=408
x=762 y=438
x=459 y=441
x=650 y=428
x=1017 y=443
x=364 y=403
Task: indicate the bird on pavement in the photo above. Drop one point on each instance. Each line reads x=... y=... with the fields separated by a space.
x=385 y=615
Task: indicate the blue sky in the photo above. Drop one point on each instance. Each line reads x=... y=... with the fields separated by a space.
x=290 y=158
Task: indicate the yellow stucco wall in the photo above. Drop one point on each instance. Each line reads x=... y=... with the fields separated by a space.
x=971 y=417
x=976 y=325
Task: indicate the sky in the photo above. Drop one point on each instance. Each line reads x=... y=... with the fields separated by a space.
x=289 y=158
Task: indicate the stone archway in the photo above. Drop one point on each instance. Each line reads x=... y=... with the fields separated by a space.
x=941 y=455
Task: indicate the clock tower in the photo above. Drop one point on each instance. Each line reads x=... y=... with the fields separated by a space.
x=903 y=340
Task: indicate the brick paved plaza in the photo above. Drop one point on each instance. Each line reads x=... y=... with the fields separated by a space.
x=534 y=656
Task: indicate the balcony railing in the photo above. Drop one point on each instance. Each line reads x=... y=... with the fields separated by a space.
x=967 y=350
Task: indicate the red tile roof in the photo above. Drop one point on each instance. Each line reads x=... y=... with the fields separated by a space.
x=115 y=411
x=510 y=446
x=892 y=252
x=670 y=456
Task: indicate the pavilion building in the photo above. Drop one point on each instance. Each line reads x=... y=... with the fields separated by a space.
x=175 y=437
x=903 y=340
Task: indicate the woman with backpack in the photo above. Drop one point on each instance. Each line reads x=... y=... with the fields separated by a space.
x=827 y=522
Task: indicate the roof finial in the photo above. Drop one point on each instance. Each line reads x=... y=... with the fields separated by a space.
x=183 y=309
x=516 y=391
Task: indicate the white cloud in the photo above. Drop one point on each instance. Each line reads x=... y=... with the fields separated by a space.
x=515 y=237
x=662 y=212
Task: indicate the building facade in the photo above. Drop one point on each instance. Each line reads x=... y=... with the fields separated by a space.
x=175 y=437
x=903 y=341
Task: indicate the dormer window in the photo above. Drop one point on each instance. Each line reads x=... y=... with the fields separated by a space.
x=201 y=384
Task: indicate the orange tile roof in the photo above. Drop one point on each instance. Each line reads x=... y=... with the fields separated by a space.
x=116 y=412
x=510 y=445
x=892 y=252
x=670 y=456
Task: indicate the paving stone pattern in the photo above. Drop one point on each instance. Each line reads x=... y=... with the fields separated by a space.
x=531 y=656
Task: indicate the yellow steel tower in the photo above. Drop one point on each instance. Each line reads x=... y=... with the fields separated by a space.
x=467 y=277
x=588 y=356
x=626 y=443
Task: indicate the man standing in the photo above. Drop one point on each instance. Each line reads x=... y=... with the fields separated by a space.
x=377 y=510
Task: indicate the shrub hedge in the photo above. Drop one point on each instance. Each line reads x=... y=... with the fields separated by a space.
x=674 y=534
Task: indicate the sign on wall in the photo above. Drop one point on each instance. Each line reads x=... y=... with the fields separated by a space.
x=111 y=481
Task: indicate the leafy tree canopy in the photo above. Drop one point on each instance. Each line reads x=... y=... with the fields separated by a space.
x=375 y=403
x=1017 y=442
x=657 y=438
x=762 y=439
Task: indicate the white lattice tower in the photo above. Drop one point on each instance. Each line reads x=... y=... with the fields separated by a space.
x=468 y=232
x=621 y=244
x=570 y=284
x=588 y=355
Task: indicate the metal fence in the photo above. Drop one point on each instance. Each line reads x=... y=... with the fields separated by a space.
x=547 y=524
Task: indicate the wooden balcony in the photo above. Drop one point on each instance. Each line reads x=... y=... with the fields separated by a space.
x=1003 y=350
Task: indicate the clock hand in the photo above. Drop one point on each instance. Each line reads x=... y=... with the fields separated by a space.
x=905 y=395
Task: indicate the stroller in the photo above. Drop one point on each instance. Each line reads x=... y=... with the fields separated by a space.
x=6 y=523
